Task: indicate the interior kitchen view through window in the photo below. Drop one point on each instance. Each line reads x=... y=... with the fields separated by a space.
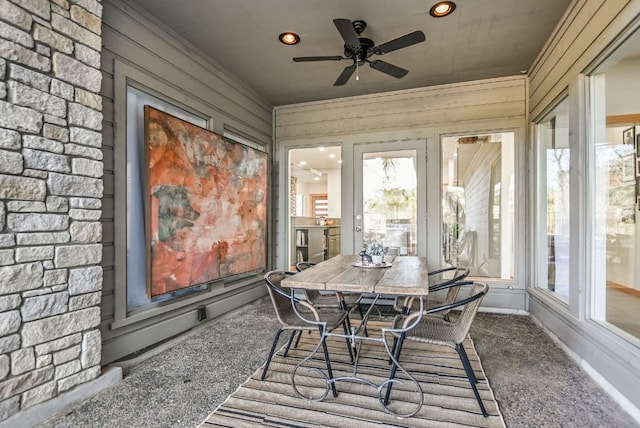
x=616 y=197
x=314 y=204
x=477 y=204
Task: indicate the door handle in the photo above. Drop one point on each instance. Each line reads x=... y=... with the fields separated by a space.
x=358 y=229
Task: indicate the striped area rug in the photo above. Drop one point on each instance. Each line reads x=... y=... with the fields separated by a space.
x=448 y=397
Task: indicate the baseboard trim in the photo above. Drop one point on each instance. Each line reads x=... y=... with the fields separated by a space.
x=504 y=311
x=624 y=288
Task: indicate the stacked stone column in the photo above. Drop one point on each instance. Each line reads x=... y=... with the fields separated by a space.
x=50 y=199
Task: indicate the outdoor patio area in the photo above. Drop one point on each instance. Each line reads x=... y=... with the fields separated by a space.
x=181 y=382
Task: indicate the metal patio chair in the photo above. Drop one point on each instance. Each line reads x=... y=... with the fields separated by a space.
x=435 y=330
x=283 y=300
x=439 y=280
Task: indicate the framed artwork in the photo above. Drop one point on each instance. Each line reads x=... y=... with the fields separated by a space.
x=629 y=167
x=637 y=155
x=638 y=193
x=628 y=135
x=205 y=205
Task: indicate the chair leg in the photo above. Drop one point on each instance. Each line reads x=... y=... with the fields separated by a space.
x=328 y=361
x=347 y=330
x=290 y=341
x=295 y=345
x=360 y=310
x=393 y=348
x=273 y=349
x=471 y=376
x=394 y=367
x=466 y=357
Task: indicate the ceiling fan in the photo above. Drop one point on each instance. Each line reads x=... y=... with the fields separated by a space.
x=360 y=49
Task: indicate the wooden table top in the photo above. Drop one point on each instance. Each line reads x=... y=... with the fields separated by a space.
x=408 y=275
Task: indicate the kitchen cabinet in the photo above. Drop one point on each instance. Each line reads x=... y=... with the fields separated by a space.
x=314 y=241
x=333 y=245
x=310 y=244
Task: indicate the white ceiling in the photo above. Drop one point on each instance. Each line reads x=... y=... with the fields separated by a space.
x=481 y=39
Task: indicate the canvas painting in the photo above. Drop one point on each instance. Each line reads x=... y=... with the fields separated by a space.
x=206 y=205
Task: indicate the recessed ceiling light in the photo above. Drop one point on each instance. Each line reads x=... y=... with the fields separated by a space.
x=303 y=163
x=316 y=178
x=331 y=156
x=340 y=161
x=289 y=38
x=321 y=149
x=442 y=8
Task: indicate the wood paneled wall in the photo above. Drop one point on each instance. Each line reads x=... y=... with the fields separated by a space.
x=439 y=107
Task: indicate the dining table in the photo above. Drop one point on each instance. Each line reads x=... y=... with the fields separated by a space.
x=397 y=276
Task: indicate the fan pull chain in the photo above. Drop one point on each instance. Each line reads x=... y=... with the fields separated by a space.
x=357 y=75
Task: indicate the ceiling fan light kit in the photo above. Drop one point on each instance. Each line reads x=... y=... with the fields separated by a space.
x=360 y=49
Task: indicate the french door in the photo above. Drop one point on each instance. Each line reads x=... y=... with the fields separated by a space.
x=390 y=196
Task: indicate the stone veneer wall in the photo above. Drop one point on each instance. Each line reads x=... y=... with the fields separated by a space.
x=292 y=195
x=50 y=198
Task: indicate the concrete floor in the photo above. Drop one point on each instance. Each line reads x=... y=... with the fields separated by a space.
x=179 y=383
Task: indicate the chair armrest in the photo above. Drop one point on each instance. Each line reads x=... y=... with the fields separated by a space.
x=435 y=272
x=446 y=285
x=412 y=317
x=307 y=305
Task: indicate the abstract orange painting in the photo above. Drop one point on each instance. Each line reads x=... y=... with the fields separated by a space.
x=206 y=205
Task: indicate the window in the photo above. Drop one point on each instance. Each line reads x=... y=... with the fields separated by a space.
x=553 y=204
x=478 y=205
x=320 y=205
x=615 y=195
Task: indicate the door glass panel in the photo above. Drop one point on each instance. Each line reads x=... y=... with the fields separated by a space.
x=615 y=194
x=314 y=204
x=477 y=203
x=554 y=203
x=389 y=200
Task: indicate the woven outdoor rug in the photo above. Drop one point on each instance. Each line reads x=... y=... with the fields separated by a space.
x=448 y=397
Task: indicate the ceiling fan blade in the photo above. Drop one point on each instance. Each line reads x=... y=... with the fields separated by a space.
x=348 y=33
x=345 y=75
x=317 y=58
x=401 y=42
x=389 y=69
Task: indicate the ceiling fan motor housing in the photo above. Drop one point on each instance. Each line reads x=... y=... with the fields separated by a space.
x=361 y=53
